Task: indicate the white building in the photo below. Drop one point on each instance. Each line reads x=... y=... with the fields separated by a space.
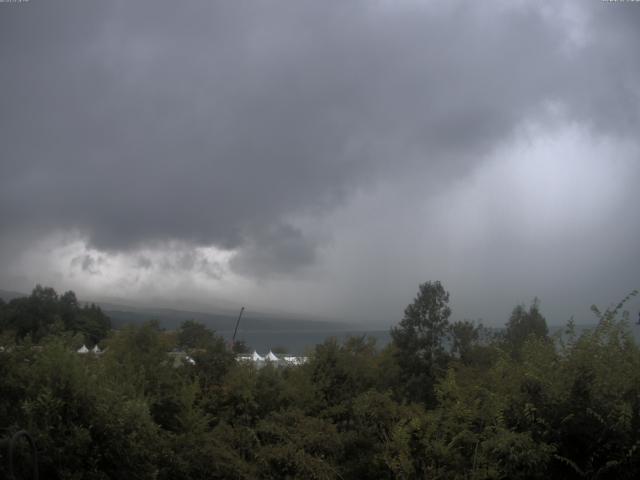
x=272 y=359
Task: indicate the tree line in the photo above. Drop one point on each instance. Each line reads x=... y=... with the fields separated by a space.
x=444 y=400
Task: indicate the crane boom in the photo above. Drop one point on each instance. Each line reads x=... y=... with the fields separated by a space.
x=233 y=340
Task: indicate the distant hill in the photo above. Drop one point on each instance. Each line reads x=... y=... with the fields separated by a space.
x=220 y=322
x=8 y=295
x=261 y=332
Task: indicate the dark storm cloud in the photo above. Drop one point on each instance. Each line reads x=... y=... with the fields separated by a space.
x=280 y=246
x=88 y=264
x=217 y=123
x=144 y=263
x=183 y=259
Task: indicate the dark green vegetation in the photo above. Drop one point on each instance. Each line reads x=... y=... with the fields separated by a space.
x=443 y=400
x=45 y=313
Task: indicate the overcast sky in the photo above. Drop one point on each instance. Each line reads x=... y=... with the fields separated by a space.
x=323 y=157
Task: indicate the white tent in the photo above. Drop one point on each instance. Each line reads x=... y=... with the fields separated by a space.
x=291 y=360
x=83 y=349
x=270 y=357
x=96 y=349
x=256 y=358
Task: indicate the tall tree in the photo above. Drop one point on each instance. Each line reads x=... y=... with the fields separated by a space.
x=523 y=324
x=420 y=341
x=464 y=336
x=192 y=334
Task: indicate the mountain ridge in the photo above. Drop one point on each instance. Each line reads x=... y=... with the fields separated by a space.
x=220 y=321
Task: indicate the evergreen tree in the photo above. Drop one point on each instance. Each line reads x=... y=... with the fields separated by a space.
x=524 y=324
x=420 y=341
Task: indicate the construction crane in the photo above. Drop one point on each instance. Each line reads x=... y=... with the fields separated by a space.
x=235 y=332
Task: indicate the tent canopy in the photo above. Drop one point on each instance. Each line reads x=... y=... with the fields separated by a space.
x=256 y=357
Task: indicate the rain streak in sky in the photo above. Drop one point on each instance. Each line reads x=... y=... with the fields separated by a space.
x=323 y=157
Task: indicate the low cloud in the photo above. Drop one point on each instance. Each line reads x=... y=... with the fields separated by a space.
x=252 y=129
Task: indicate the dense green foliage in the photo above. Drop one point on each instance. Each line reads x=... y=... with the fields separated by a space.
x=524 y=324
x=443 y=400
x=44 y=313
x=420 y=341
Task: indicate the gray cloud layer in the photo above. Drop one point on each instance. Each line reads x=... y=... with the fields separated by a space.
x=221 y=123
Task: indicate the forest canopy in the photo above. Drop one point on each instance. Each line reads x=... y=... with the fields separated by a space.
x=445 y=399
